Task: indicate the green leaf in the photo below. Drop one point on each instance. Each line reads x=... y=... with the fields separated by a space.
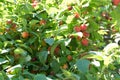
x=83 y=65
x=8 y=43
x=1 y=44
x=90 y=77
x=18 y=41
x=2 y=37
x=70 y=75
x=55 y=65
x=33 y=22
x=28 y=74
x=93 y=26
x=16 y=70
x=5 y=75
x=26 y=8
x=2 y=61
x=93 y=56
x=27 y=58
x=1 y=0
x=73 y=44
x=26 y=47
x=63 y=47
x=31 y=41
x=1 y=76
x=24 y=22
x=96 y=36
x=116 y=16
x=63 y=60
x=50 y=41
x=40 y=77
x=20 y=51
x=42 y=15
x=43 y=56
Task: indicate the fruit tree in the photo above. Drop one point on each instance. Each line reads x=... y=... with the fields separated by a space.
x=59 y=40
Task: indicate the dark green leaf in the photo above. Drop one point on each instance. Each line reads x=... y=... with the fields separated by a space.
x=73 y=44
x=42 y=15
x=26 y=47
x=43 y=56
x=2 y=38
x=40 y=77
x=33 y=22
x=55 y=65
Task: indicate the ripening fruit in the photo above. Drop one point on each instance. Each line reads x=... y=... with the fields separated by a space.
x=86 y=34
x=115 y=2
x=34 y=59
x=14 y=26
x=57 y=49
x=77 y=15
x=69 y=7
x=69 y=58
x=77 y=28
x=83 y=27
x=60 y=23
x=9 y=21
x=106 y=15
x=42 y=22
x=34 y=3
x=49 y=48
x=78 y=37
x=110 y=18
x=84 y=42
x=17 y=56
x=71 y=36
x=52 y=73
x=25 y=34
x=103 y=14
x=65 y=66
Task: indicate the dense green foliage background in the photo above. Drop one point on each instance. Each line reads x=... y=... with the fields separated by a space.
x=59 y=40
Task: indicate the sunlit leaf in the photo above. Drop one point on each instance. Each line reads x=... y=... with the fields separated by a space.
x=110 y=47
x=2 y=61
x=20 y=51
x=1 y=76
x=69 y=19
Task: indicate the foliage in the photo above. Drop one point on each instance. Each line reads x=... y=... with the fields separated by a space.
x=59 y=39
